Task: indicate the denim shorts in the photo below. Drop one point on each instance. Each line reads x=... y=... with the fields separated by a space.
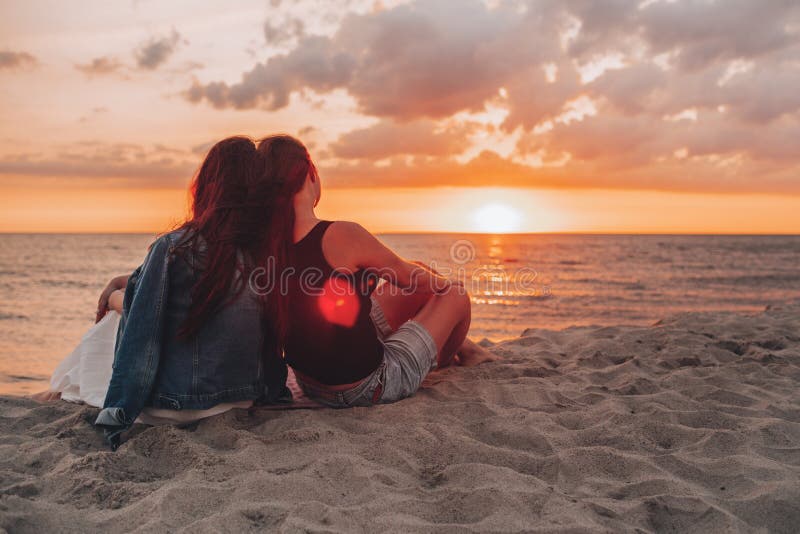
x=409 y=354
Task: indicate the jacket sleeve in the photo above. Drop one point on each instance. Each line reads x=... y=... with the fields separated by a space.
x=138 y=346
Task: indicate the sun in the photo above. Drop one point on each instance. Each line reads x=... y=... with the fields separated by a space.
x=497 y=219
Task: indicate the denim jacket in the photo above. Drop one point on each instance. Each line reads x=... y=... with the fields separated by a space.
x=152 y=367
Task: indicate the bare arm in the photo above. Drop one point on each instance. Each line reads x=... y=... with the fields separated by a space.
x=115 y=300
x=365 y=251
x=117 y=283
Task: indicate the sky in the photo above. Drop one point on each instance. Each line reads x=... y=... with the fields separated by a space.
x=427 y=115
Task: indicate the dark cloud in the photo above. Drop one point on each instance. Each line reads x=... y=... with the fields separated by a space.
x=279 y=33
x=156 y=51
x=189 y=66
x=634 y=89
x=425 y=60
x=10 y=59
x=410 y=61
x=532 y=99
x=94 y=112
x=101 y=66
x=611 y=142
x=701 y=92
x=765 y=93
x=703 y=32
x=269 y=84
x=697 y=32
x=701 y=96
x=148 y=57
x=306 y=130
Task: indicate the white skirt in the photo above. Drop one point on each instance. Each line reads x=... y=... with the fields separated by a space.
x=85 y=374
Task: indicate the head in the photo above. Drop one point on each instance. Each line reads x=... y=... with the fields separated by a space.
x=287 y=165
x=231 y=208
x=243 y=208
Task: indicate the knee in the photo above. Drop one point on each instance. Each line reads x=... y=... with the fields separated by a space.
x=464 y=299
x=459 y=299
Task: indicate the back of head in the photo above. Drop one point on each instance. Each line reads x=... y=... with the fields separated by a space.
x=242 y=218
x=286 y=165
x=227 y=224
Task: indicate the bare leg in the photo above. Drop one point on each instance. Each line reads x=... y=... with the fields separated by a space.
x=458 y=336
x=471 y=354
x=446 y=316
x=399 y=307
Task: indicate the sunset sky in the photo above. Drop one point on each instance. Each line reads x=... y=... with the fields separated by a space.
x=429 y=115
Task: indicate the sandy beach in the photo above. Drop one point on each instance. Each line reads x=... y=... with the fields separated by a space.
x=691 y=425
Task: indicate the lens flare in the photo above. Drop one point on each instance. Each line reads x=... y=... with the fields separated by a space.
x=338 y=302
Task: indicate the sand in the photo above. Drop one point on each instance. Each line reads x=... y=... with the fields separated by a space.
x=691 y=425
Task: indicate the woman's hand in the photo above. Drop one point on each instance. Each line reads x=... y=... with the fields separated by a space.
x=120 y=282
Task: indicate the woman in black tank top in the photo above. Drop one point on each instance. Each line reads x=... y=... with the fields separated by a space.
x=345 y=344
x=331 y=337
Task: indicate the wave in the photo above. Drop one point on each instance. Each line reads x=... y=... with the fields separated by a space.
x=624 y=284
x=22 y=378
x=746 y=279
x=65 y=283
x=13 y=317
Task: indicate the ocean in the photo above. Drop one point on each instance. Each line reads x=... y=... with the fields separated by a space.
x=49 y=283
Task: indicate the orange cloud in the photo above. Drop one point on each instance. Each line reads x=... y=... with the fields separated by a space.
x=680 y=96
x=417 y=66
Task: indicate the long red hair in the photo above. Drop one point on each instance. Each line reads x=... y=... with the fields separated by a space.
x=228 y=227
x=286 y=163
x=242 y=218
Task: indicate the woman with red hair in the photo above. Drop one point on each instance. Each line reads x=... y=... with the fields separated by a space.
x=192 y=340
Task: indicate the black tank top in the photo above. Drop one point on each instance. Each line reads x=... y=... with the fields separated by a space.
x=331 y=337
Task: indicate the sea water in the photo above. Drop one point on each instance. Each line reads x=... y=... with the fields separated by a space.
x=49 y=283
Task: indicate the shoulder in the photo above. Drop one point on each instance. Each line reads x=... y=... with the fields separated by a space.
x=161 y=244
x=348 y=245
x=348 y=230
x=169 y=241
x=177 y=236
x=165 y=244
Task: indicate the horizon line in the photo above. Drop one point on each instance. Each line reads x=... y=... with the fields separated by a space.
x=393 y=232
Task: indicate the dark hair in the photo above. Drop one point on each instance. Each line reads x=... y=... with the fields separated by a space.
x=228 y=226
x=242 y=217
x=286 y=163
